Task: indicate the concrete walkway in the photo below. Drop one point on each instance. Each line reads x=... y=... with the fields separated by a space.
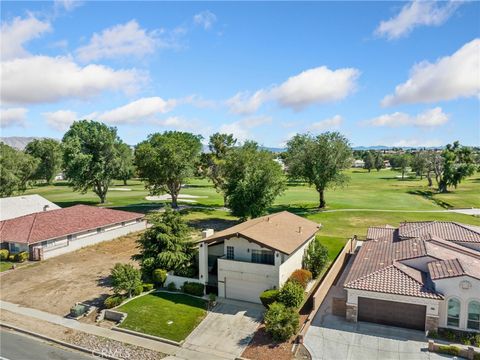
x=174 y=351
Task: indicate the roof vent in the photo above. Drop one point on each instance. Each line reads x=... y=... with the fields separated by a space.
x=207 y=233
x=45 y=207
x=300 y=229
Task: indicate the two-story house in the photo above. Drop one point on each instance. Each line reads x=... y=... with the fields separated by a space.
x=256 y=255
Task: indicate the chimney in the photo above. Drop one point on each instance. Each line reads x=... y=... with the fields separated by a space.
x=207 y=233
x=300 y=229
x=45 y=207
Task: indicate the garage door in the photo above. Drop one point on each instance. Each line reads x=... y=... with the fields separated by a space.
x=244 y=290
x=405 y=315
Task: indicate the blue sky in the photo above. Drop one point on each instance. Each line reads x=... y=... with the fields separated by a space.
x=382 y=73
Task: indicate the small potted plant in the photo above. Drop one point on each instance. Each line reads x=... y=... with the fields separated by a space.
x=212 y=300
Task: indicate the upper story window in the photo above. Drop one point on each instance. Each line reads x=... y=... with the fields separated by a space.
x=473 y=315
x=263 y=257
x=230 y=252
x=453 y=314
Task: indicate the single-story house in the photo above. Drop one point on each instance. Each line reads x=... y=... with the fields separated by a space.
x=256 y=255
x=358 y=163
x=15 y=206
x=421 y=275
x=50 y=233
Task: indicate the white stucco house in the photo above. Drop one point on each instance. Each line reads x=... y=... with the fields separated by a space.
x=46 y=234
x=15 y=206
x=256 y=255
x=422 y=275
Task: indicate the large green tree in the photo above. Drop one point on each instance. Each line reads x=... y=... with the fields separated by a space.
x=16 y=170
x=252 y=180
x=91 y=156
x=49 y=153
x=419 y=163
x=379 y=161
x=319 y=160
x=125 y=278
x=402 y=163
x=369 y=161
x=213 y=163
x=458 y=163
x=126 y=168
x=166 y=244
x=165 y=160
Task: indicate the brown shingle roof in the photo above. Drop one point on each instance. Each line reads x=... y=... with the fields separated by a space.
x=447 y=230
x=282 y=231
x=445 y=269
x=52 y=224
x=376 y=232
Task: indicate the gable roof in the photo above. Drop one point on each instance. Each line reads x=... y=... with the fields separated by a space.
x=15 y=206
x=282 y=231
x=447 y=230
x=445 y=269
x=45 y=225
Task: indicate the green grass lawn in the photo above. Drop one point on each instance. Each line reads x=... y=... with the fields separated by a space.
x=5 y=265
x=151 y=314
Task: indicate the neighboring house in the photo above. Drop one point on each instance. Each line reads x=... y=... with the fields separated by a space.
x=423 y=275
x=256 y=255
x=50 y=233
x=358 y=164
x=15 y=206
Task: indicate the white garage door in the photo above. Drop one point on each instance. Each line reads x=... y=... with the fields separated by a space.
x=244 y=290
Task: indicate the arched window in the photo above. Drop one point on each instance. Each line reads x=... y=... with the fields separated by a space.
x=473 y=315
x=453 y=315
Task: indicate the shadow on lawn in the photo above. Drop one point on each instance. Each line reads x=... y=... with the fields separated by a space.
x=179 y=298
x=428 y=194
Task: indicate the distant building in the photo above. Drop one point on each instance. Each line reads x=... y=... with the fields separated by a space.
x=386 y=164
x=15 y=206
x=358 y=164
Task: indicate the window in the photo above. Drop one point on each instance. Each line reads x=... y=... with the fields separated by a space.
x=473 y=315
x=453 y=315
x=263 y=257
x=230 y=252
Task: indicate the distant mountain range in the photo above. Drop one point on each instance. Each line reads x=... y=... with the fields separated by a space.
x=20 y=142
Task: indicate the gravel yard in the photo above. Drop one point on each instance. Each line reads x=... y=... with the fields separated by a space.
x=56 y=284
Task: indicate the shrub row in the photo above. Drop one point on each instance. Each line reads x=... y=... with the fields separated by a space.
x=193 y=288
x=112 y=301
x=459 y=336
x=449 y=350
x=301 y=276
x=19 y=257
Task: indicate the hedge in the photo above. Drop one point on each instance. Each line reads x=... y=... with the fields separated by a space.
x=193 y=288
x=291 y=294
x=4 y=253
x=449 y=349
x=301 y=276
x=269 y=297
x=281 y=322
x=112 y=301
x=21 y=256
x=148 y=287
x=159 y=276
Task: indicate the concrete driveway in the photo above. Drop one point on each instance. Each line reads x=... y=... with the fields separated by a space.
x=227 y=329
x=332 y=337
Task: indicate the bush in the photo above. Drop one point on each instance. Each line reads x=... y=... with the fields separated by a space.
x=172 y=287
x=449 y=349
x=301 y=276
x=112 y=301
x=316 y=257
x=4 y=253
x=433 y=334
x=193 y=288
x=125 y=278
x=148 y=287
x=78 y=310
x=159 y=276
x=291 y=294
x=138 y=290
x=21 y=256
x=476 y=340
x=281 y=322
x=269 y=297
x=11 y=257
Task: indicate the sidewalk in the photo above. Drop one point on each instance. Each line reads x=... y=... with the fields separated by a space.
x=174 y=351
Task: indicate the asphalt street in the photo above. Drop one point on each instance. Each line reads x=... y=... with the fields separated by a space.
x=16 y=346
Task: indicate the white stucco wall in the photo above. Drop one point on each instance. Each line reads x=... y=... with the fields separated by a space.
x=243 y=248
x=452 y=288
x=180 y=280
x=62 y=245
x=420 y=263
x=293 y=262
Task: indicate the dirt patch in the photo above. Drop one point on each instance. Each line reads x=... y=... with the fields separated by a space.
x=56 y=284
x=263 y=347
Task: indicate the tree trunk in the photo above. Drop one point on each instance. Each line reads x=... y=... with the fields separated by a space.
x=125 y=182
x=429 y=178
x=322 y=199
x=224 y=200
x=403 y=174
x=174 y=200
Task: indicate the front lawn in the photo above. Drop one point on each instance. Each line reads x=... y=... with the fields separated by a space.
x=170 y=316
x=5 y=265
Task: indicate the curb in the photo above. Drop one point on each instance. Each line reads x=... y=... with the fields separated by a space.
x=146 y=336
x=62 y=343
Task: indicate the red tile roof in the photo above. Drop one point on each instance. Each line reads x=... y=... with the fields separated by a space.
x=52 y=224
x=447 y=230
x=445 y=268
x=376 y=232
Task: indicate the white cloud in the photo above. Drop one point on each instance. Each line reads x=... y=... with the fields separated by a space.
x=331 y=123
x=138 y=110
x=46 y=79
x=67 y=5
x=19 y=31
x=449 y=78
x=313 y=86
x=13 y=117
x=206 y=19
x=60 y=120
x=429 y=118
x=241 y=129
x=177 y=122
x=127 y=39
x=417 y=13
x=414 y=142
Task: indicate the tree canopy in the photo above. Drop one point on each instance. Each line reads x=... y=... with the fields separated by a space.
x=458 y=163
x=49 y=153
x=166 y=244
x=165 y=160
x=16 y=169
x=125 y=278
x=369 y=161
x=319 y=160
x=126 y=169
x=252 y=180
x=91 y=156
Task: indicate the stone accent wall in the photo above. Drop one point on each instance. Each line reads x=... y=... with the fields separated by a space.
x=351 y=313
x=431 y=323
